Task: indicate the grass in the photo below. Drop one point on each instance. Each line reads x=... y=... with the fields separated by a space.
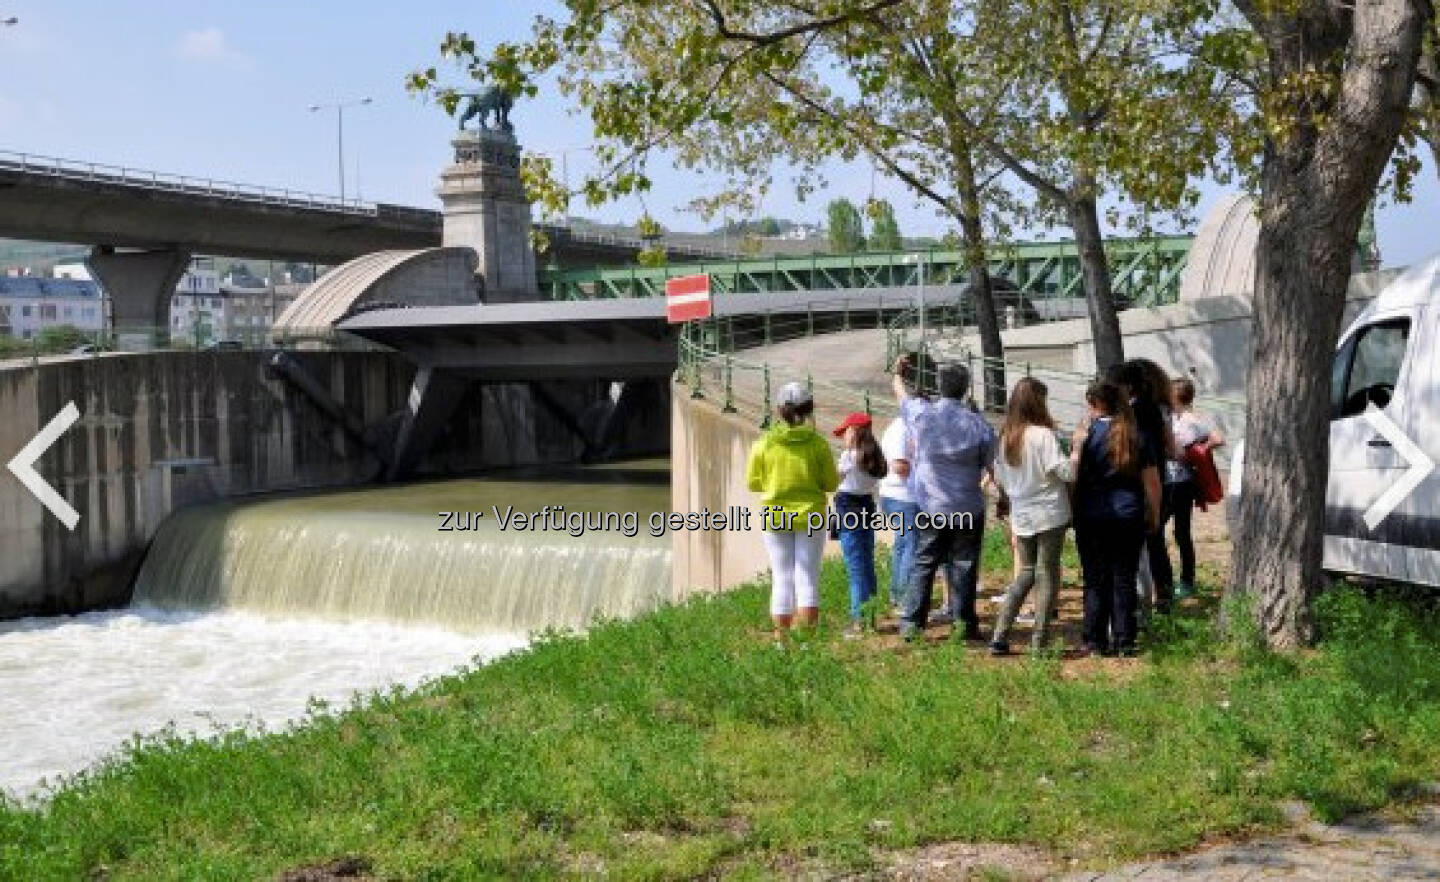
x=683 y=743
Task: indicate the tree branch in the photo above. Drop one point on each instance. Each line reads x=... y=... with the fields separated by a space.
x=727 y=32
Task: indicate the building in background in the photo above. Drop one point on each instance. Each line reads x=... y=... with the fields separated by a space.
x=238 y=307
x=31 y=304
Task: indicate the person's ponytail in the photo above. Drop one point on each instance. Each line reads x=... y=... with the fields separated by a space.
x=1123 y=440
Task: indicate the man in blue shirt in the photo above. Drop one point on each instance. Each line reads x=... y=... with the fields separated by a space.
x=953 y=448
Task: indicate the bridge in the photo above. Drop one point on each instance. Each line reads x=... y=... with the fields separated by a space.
x=145 y=225
x=61 y=200
x=1144 y=272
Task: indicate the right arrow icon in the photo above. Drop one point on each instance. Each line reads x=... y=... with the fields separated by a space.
x=1421 y=465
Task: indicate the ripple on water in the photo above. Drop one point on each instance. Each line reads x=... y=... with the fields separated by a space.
x=73 y=689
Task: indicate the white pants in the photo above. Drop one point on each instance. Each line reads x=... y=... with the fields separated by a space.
x=794 y=569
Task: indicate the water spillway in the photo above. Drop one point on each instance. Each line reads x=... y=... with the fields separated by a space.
x=512 y=553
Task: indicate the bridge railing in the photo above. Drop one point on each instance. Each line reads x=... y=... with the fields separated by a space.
x=724 y=364
x=70 y=342
x=94 y=172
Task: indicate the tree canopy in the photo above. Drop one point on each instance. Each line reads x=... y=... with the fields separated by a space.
x=844 y=227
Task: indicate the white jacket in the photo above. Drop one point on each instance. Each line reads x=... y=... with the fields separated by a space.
x=1039 y=497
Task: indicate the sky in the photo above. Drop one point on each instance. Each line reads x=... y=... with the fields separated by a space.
x=223 y=89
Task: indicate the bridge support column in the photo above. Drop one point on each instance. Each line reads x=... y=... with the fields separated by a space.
x=139 y=285
x=434 y=395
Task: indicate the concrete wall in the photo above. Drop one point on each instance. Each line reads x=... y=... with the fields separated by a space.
x=708 y=453
x=162 y=430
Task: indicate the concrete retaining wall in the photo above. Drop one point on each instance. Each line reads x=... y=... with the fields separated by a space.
x=708 y=453
x=163 y=430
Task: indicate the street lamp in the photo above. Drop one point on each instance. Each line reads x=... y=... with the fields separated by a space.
x=920 y=261
x=339 y=108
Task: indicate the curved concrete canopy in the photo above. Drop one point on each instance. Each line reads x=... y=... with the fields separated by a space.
x=1222 y=258
x=427 y=277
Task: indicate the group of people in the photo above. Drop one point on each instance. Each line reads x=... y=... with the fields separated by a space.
x=1139 y=459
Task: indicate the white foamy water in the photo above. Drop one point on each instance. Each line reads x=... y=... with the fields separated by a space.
x=74 y=689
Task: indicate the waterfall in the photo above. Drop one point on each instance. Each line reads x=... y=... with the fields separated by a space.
x=381 y=555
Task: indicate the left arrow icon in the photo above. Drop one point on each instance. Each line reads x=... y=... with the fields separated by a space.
x=23 y=465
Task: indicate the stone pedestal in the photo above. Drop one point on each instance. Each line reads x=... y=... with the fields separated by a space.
x=486 y=209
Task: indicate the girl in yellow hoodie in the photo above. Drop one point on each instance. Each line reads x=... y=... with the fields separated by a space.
x=792 y=469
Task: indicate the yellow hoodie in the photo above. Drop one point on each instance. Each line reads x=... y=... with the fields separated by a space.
x=792 y=467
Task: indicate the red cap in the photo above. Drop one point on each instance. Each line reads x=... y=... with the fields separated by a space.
x=852 y=419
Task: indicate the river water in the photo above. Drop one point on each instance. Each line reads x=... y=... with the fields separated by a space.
x=245 y=611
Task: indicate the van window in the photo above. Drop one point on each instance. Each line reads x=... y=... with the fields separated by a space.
x=1367 y=368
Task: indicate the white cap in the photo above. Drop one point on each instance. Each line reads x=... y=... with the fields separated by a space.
x=794 y=394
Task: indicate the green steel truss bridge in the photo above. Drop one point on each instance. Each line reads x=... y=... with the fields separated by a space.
x=1144 y=272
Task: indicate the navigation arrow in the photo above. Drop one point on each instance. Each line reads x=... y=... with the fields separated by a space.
x=23 y=465
x=1420 y=464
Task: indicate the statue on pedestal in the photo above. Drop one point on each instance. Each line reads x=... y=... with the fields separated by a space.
x=493 y=102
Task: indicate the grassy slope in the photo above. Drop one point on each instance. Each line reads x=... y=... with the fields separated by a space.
x=684 y=742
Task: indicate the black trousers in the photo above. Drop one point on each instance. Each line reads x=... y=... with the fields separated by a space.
x=1182 y=505
x=1109 y=560
x=1161 y=573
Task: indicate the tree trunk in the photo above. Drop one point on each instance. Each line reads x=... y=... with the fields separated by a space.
x=1099 y=299
x=1429 y=100
x=1315 y=184
x=1302 y=269
x=987 y=319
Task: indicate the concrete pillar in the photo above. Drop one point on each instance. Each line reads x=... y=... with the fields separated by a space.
x=486 y=209
x=434 y=395
x=139 y=286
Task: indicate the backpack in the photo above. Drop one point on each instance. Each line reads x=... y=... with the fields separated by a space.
x=1208 y=488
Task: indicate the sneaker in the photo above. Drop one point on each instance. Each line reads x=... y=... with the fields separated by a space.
x=999 y=648
x=1025 y=619
x=942 y=618
x=909 y=633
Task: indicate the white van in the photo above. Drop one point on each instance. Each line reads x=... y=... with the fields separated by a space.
x=1389 y=357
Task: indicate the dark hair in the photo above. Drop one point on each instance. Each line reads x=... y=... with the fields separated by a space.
x=1123 y=443
x=1026 y=408
x=954 y=380
x=1184 y=391
x=1144 y=379
x=867 y=453
x=1157 y=382
x=795 y=414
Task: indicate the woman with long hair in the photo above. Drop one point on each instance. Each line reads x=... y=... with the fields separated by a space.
x=1117 y=502
x=861 y=466
x=1033 y=476
x=792 y=469
x=1148 y=390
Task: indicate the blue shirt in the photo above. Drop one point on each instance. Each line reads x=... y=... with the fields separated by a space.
x=1102 y=492
x=952 y=445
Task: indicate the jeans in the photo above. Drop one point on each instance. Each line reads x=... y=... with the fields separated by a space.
x=958 y=550
x=1182 y=504
x=1039 y=559
x=858 y=547
x=902 y=553
x=1109 y=557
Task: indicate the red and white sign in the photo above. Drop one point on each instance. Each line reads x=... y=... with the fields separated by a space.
x=687 y=298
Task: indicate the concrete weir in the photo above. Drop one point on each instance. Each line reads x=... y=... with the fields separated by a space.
x=163 y=430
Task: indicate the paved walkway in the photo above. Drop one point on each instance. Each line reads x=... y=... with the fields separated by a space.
x=1360 y=849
